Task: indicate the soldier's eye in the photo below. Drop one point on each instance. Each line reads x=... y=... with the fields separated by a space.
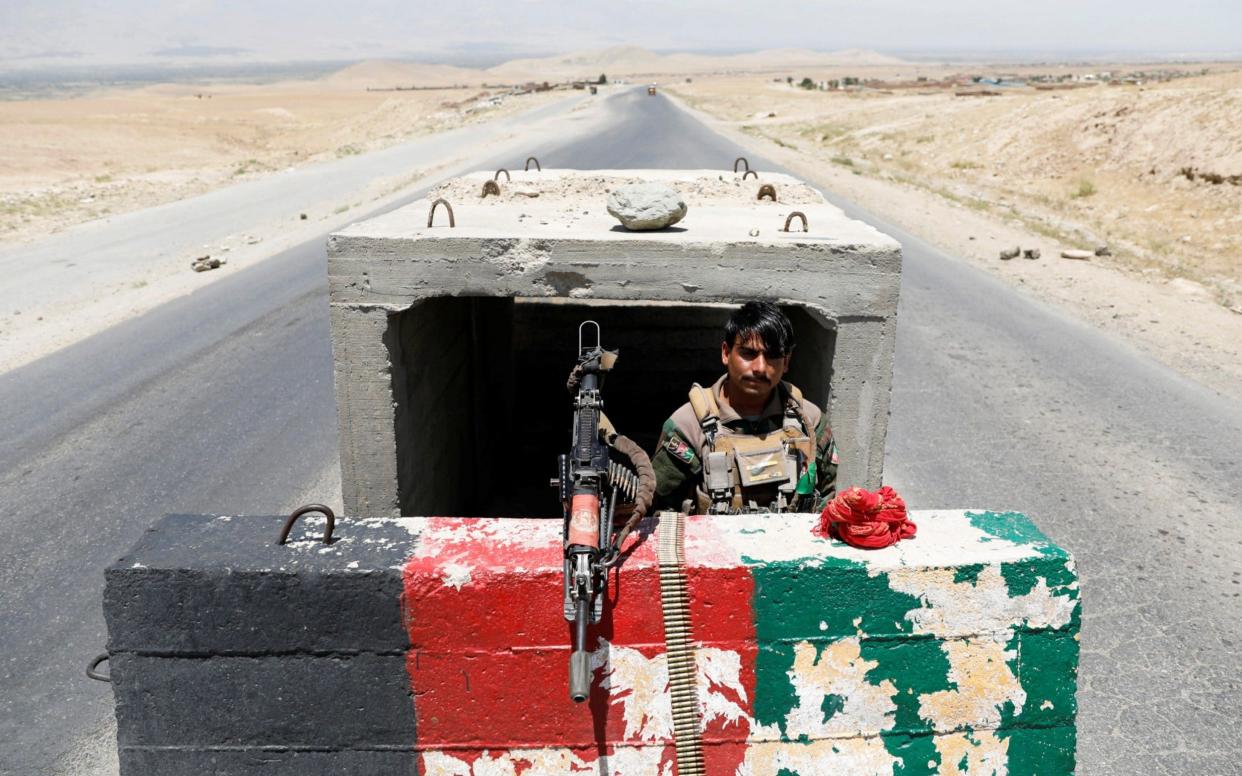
x=750 y=354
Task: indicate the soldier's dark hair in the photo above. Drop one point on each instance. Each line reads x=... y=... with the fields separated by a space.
x=765 y=320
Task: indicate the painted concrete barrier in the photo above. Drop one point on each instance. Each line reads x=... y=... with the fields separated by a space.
x=436 y=646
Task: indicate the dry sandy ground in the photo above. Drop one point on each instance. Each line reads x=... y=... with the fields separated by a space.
x=976 y=175
x=68 y=161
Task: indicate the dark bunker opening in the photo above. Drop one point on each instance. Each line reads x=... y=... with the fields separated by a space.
x=482 y=410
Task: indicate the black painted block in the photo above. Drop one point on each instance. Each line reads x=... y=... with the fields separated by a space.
x=200 y=585
x=299 y=701
x=267 y=762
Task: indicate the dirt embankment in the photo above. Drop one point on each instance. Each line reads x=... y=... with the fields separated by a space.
x=1152 y=170
x=1042 y=170
x=67 y=161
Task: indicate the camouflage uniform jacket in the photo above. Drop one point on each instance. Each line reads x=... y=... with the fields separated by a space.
x=678 y=459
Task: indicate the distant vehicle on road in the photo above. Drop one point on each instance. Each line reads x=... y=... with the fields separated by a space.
x=650 y=88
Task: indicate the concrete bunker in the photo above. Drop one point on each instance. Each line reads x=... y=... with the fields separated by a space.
x=452 y=344
x=496 y=369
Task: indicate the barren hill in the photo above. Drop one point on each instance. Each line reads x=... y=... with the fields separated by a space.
x=615 y=61
x=385 y=74
x=632 y=60
x=1153 y=169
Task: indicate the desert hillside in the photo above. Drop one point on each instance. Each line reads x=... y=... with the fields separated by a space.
x=1151 y=168
x=384 y=74
x=634 y=61
x=615 y=62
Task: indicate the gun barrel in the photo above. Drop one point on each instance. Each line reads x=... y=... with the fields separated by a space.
x=580 y=659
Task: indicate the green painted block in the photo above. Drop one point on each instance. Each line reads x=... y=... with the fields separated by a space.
x=1041 y=751
x=1047 y=666
x=958 y=650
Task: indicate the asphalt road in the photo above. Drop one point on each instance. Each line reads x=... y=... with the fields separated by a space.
x=222 y=402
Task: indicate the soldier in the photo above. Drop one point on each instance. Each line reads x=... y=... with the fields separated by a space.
x=750 y=442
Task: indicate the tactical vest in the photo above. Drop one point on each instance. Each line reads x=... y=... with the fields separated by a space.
x=747 y=473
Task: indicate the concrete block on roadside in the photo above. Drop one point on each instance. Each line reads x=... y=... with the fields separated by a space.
x=957 y=646
x=222 y=585
x=192 y=761
x=331 y=701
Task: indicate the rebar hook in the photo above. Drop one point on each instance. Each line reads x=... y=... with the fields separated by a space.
x=790 y=219
x=91 y=673
x=293 y=518
x=431 y=217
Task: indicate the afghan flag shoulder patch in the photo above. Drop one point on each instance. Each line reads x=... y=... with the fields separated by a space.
x=679 y=448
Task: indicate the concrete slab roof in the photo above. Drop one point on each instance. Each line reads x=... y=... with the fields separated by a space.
x=571 y=205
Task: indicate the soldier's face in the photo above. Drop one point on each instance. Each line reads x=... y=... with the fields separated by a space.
x=752 y=370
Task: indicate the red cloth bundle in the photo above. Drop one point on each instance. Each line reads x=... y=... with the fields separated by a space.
x=864 y=519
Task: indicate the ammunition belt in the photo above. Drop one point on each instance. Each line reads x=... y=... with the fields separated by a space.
x=679 y=649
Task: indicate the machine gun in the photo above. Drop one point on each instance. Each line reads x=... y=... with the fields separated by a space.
x=601 y=469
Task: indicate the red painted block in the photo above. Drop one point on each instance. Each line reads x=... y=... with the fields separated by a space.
x=489 y=654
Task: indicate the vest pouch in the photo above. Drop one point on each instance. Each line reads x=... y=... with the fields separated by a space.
x=718 y=474
x=760 y=461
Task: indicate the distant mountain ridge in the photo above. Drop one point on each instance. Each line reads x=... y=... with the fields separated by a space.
x=623 y=61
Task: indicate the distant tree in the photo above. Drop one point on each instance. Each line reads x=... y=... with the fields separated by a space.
x=806 y=83
x=789 y=79
x=603 y=79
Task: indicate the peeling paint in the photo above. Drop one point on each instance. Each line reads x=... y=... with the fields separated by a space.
x=838 y=671
x=982 y=684
x=955 y=652
x=639 y=684
x=627 y=761
x=760 y=539
x=456 y=575
x=855 y=756
x=973 y=754
x=955 y=609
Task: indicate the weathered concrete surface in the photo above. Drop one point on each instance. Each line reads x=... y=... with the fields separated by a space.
x=233 y=655
x=562 y=245
x=954 y=652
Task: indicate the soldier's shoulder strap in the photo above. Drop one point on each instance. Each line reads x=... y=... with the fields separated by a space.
x=793 y=408
x=706 y=410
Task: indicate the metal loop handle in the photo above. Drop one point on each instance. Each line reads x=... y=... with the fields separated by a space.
x=293 y=518
x=431 y=217
x=790 y=218
x=91 y=673
x=581 y=327
x=743 y=160
x=508 y=177
x=530 y=159
x=491 y=187
x=767 y=190
x=750 y=172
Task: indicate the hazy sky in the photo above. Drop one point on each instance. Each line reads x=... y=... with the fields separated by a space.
x=137 y=30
